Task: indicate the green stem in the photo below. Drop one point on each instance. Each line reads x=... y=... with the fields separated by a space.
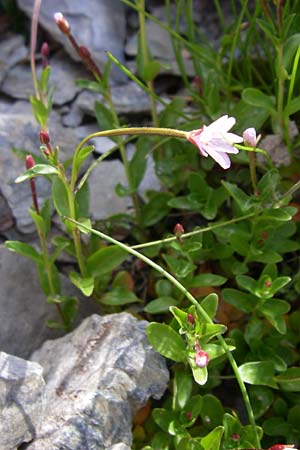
x=196 y=232
x=132 y=131
x=280 y=96
x=199 y=308
x=75 y=231
x=122 y=148
x=252 y=165
x=34 y=27
x=145 y=59
x=48 y=270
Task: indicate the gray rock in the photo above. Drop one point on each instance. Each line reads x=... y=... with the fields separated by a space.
x=21 y=407
x=18 y=128
x=104 y=201
x=64 y=73
x=23 y=307
x=127 y=99
x=6 y=217
x=96 y=378
x=119 y=446
x=273 y=144
x=12 y=51
x=150 y=180
x=98 y=25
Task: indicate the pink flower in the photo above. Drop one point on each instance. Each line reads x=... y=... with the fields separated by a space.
x=215 y=141
x=250 y=138
x=201 y=359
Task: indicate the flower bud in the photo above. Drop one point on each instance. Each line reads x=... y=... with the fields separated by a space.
x=189 y=415
x=178 y=230
x=282 y=447
x=191 y=319
x=44 y=137
x=201 y=359
x=250 y=139
x=235 y=437
x=62 y=23
x=45 y=50
x=29 y=162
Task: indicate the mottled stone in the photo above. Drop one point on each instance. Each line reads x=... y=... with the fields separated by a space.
x=21 y=406
x=96 y=379
x=64 y=73
x=23 y=306
x=12 y=51
x=18 y=128
x=127 y=99
x=99 y=25
x=104 y=201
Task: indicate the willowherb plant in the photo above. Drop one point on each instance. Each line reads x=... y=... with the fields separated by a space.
x=244 y=323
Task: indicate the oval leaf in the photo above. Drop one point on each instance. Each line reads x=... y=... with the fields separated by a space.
x=166 y=341
x=258 y=373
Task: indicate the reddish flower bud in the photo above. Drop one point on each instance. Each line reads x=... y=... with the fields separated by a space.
x=45 y=50
x=282 y=447
x=178 y=230
x=191 y=319
x=235 y=437
x=62 y=23
x=29 y=162
x=189 y=415
x=201 y=359
x=268 y=283
x=44 y=137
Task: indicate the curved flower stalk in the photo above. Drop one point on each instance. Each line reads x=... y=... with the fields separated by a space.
x=215 y=141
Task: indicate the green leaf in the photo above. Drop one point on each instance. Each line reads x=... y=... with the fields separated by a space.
x=40 y=111
x=38 y=169
x=210 y=305
x=119 y=296
x=276 y=426
x=54 y=286
x=163 y=288
x=163 y=417
x=86 y=285
x=160 y=305
x=25 y=250
x=178 y=266
x=151 y=70
x=180 y=316
x=258 y=372
x=273 y=310
x=293 y=106
x=138 y=163
x=44 y=79
x=289 y=380
x=243 y=201
x=261 y=398
x=255 y=97
x=183 y=386
x=82 y=201
x=166 y=341
x=247 y=283
x=60 y=197
x=200 y=374
x=156 y=209
x=241 y=300
x=81 y=156
x=46 y=215
x=38 y=221
x=105 y=260
x=104 y=117
x=279 y=214
x=212 y=440
x=289 y=50
x=211 y=412
x=207 y=279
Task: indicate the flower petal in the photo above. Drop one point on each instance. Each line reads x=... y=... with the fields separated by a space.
x=220 y=157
